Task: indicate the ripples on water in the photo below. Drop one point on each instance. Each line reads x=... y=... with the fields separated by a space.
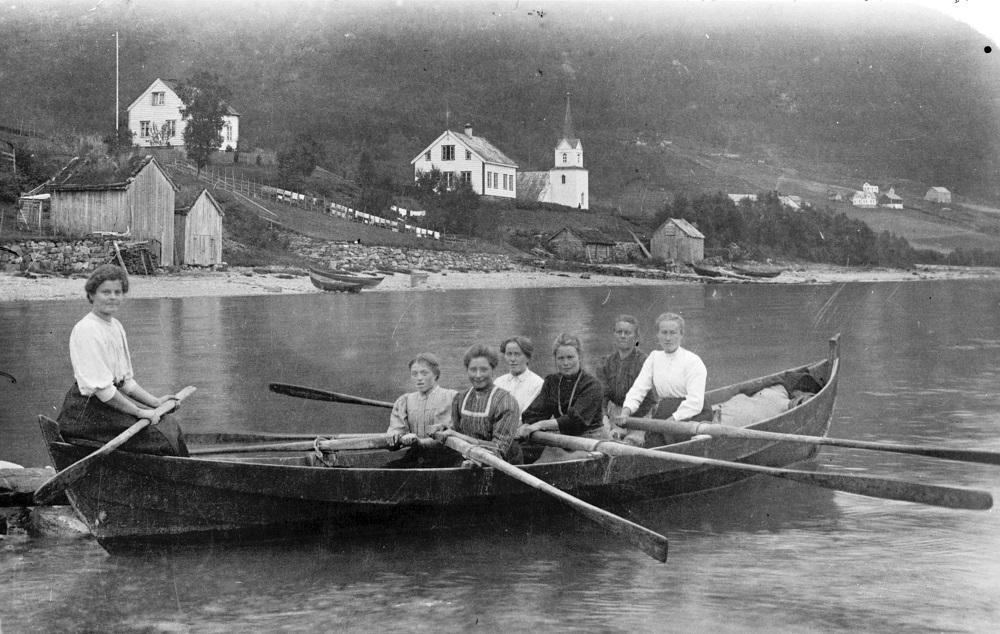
x=920 y=365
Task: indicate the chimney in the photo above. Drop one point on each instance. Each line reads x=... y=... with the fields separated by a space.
x=468 y=129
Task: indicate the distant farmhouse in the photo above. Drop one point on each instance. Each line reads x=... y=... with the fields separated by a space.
x=938 y=195
x=133 y=197
x=677 y=240
x=595 y=245
x=891 y=199
x=867 y=198
x=155 y=120
x=567 y=182
x=463 y=157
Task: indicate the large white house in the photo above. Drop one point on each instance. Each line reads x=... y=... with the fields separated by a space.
x=567 y=182
x=461 y=156
x=154 y=118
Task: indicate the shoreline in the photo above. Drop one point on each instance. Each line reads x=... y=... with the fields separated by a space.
x=242 y=281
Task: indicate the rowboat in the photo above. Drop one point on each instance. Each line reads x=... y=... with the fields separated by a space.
x=131 y=500
x=758 y=270
x=327 y=284
x=352 y=277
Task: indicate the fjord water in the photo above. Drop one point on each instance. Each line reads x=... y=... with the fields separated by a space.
x=920 y=364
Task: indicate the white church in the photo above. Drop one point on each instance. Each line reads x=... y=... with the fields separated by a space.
x=567 y=181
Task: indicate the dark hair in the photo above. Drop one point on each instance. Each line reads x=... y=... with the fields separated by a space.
x=522 y=342
x=430 y=360
x=102 y=274
x=481 y=350
x=567 y=340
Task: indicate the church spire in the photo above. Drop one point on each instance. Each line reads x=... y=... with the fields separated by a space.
x=568 y=123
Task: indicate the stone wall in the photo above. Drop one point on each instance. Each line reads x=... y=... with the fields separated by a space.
x=56 y=256
x=360 y=257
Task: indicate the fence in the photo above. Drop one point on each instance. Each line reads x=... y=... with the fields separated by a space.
x=225 y=178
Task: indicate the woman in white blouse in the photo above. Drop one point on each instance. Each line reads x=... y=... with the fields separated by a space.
x=520 y=381
x=105 y=398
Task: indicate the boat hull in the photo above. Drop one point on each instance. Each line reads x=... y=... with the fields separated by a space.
x=352 y=278
x=133 y=500
x=334 y=285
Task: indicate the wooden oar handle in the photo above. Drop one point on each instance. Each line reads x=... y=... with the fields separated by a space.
x=668 y=426
x=172 y=403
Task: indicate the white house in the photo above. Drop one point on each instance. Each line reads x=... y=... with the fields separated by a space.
x=865 y=199
x=154 y=118
x=891 y=199
x=461 y=156
x=868 y=188
x=567 y=182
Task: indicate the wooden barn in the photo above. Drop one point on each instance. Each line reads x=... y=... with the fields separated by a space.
x=938 y=195
x=198 y=229
x=132 y=197
x=590 y=244
x=676 y=240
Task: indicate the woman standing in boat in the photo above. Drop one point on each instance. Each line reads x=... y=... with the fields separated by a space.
x=621 y=368
x=105 y=399
x=414 y=414
x=520 y=381
x=678 y=376
x=569 y=403
x=485 y=411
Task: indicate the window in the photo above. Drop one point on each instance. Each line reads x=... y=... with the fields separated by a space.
x=449 y=179
x=145 y=129
x=563 y=179
x=467 y=177
x=170 y=129
x=447 y=152
x=468 y=155
x=159 y=98
x=427 y=155
x=506 y=178
x=564 y=157
x=227 y=131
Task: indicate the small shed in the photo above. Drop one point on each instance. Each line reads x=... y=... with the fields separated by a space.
x=128 y=196
x=576 y=242
x=198 y=230
x=677 y=240
x=938 y=195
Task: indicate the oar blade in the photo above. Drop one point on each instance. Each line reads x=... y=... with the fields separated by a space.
x=889 y=489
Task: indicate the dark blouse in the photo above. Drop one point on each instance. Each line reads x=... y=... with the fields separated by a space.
x=573 y=401
x=619 y=374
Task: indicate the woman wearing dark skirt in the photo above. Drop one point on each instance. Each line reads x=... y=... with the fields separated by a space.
x=105 y=398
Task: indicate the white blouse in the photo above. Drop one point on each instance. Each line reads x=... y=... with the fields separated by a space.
x=525 y=387
x=99 y=353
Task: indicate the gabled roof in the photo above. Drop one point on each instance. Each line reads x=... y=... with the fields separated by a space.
x=187 y=198
x=686 y=227
x=88 y=174
x=941 y=190
x=478 y=145
x=171 y=85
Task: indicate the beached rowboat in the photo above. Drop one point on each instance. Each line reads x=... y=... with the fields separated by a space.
x=352 y=277
x=131 y=500
x=327 y=284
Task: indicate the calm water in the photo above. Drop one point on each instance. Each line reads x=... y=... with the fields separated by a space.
x=921 y=365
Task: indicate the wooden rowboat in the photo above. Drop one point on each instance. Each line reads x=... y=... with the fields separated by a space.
x=327 y=284
x=758 y=270
x=134 y=500
x=346 y=276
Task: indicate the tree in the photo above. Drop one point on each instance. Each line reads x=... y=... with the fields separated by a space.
x=300 y=157
x=205 y=106
x=375 y=191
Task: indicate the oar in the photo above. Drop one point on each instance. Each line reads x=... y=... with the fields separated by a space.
x=376 y=441
x=932 y=494
x=324 y=395
x=55 y=485
x=714 y=429
x=651 y=543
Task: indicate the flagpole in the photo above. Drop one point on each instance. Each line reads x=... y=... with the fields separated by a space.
x=116 y=82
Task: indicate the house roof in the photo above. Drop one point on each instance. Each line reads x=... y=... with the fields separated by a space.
x=587 y=236
x=531 y=184
x=941 y=190
x=186 y=199
x=172 y=85
x=486 y=151
x=106 y=173
x=686 y=227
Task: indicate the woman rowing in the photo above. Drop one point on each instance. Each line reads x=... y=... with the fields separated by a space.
x=105 y=398
x=620 y=369
x=569 y=403
x=416 y=414
x=520 y=380
x=678 y=376
x=484 y=411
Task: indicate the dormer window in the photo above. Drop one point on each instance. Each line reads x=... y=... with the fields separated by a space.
x=159 y=98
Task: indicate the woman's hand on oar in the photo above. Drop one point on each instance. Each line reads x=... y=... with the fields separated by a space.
x=324 y=395
x=651 y=543
x=81 y=467
x=693 y=428
x=934 y=495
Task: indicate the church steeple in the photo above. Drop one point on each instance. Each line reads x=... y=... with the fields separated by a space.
x=568 y=123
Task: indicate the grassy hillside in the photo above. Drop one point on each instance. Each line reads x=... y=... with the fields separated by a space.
x=869 y=91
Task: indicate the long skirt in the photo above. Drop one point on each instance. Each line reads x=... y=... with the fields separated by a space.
x=87 y=418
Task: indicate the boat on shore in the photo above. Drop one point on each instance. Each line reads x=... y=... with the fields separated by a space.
x=758 y=270
x=364 y=279
x=329 y=284
x=132 y=501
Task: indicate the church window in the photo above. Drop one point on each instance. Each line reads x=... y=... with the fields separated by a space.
x=564 y=157
x=563 y=179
